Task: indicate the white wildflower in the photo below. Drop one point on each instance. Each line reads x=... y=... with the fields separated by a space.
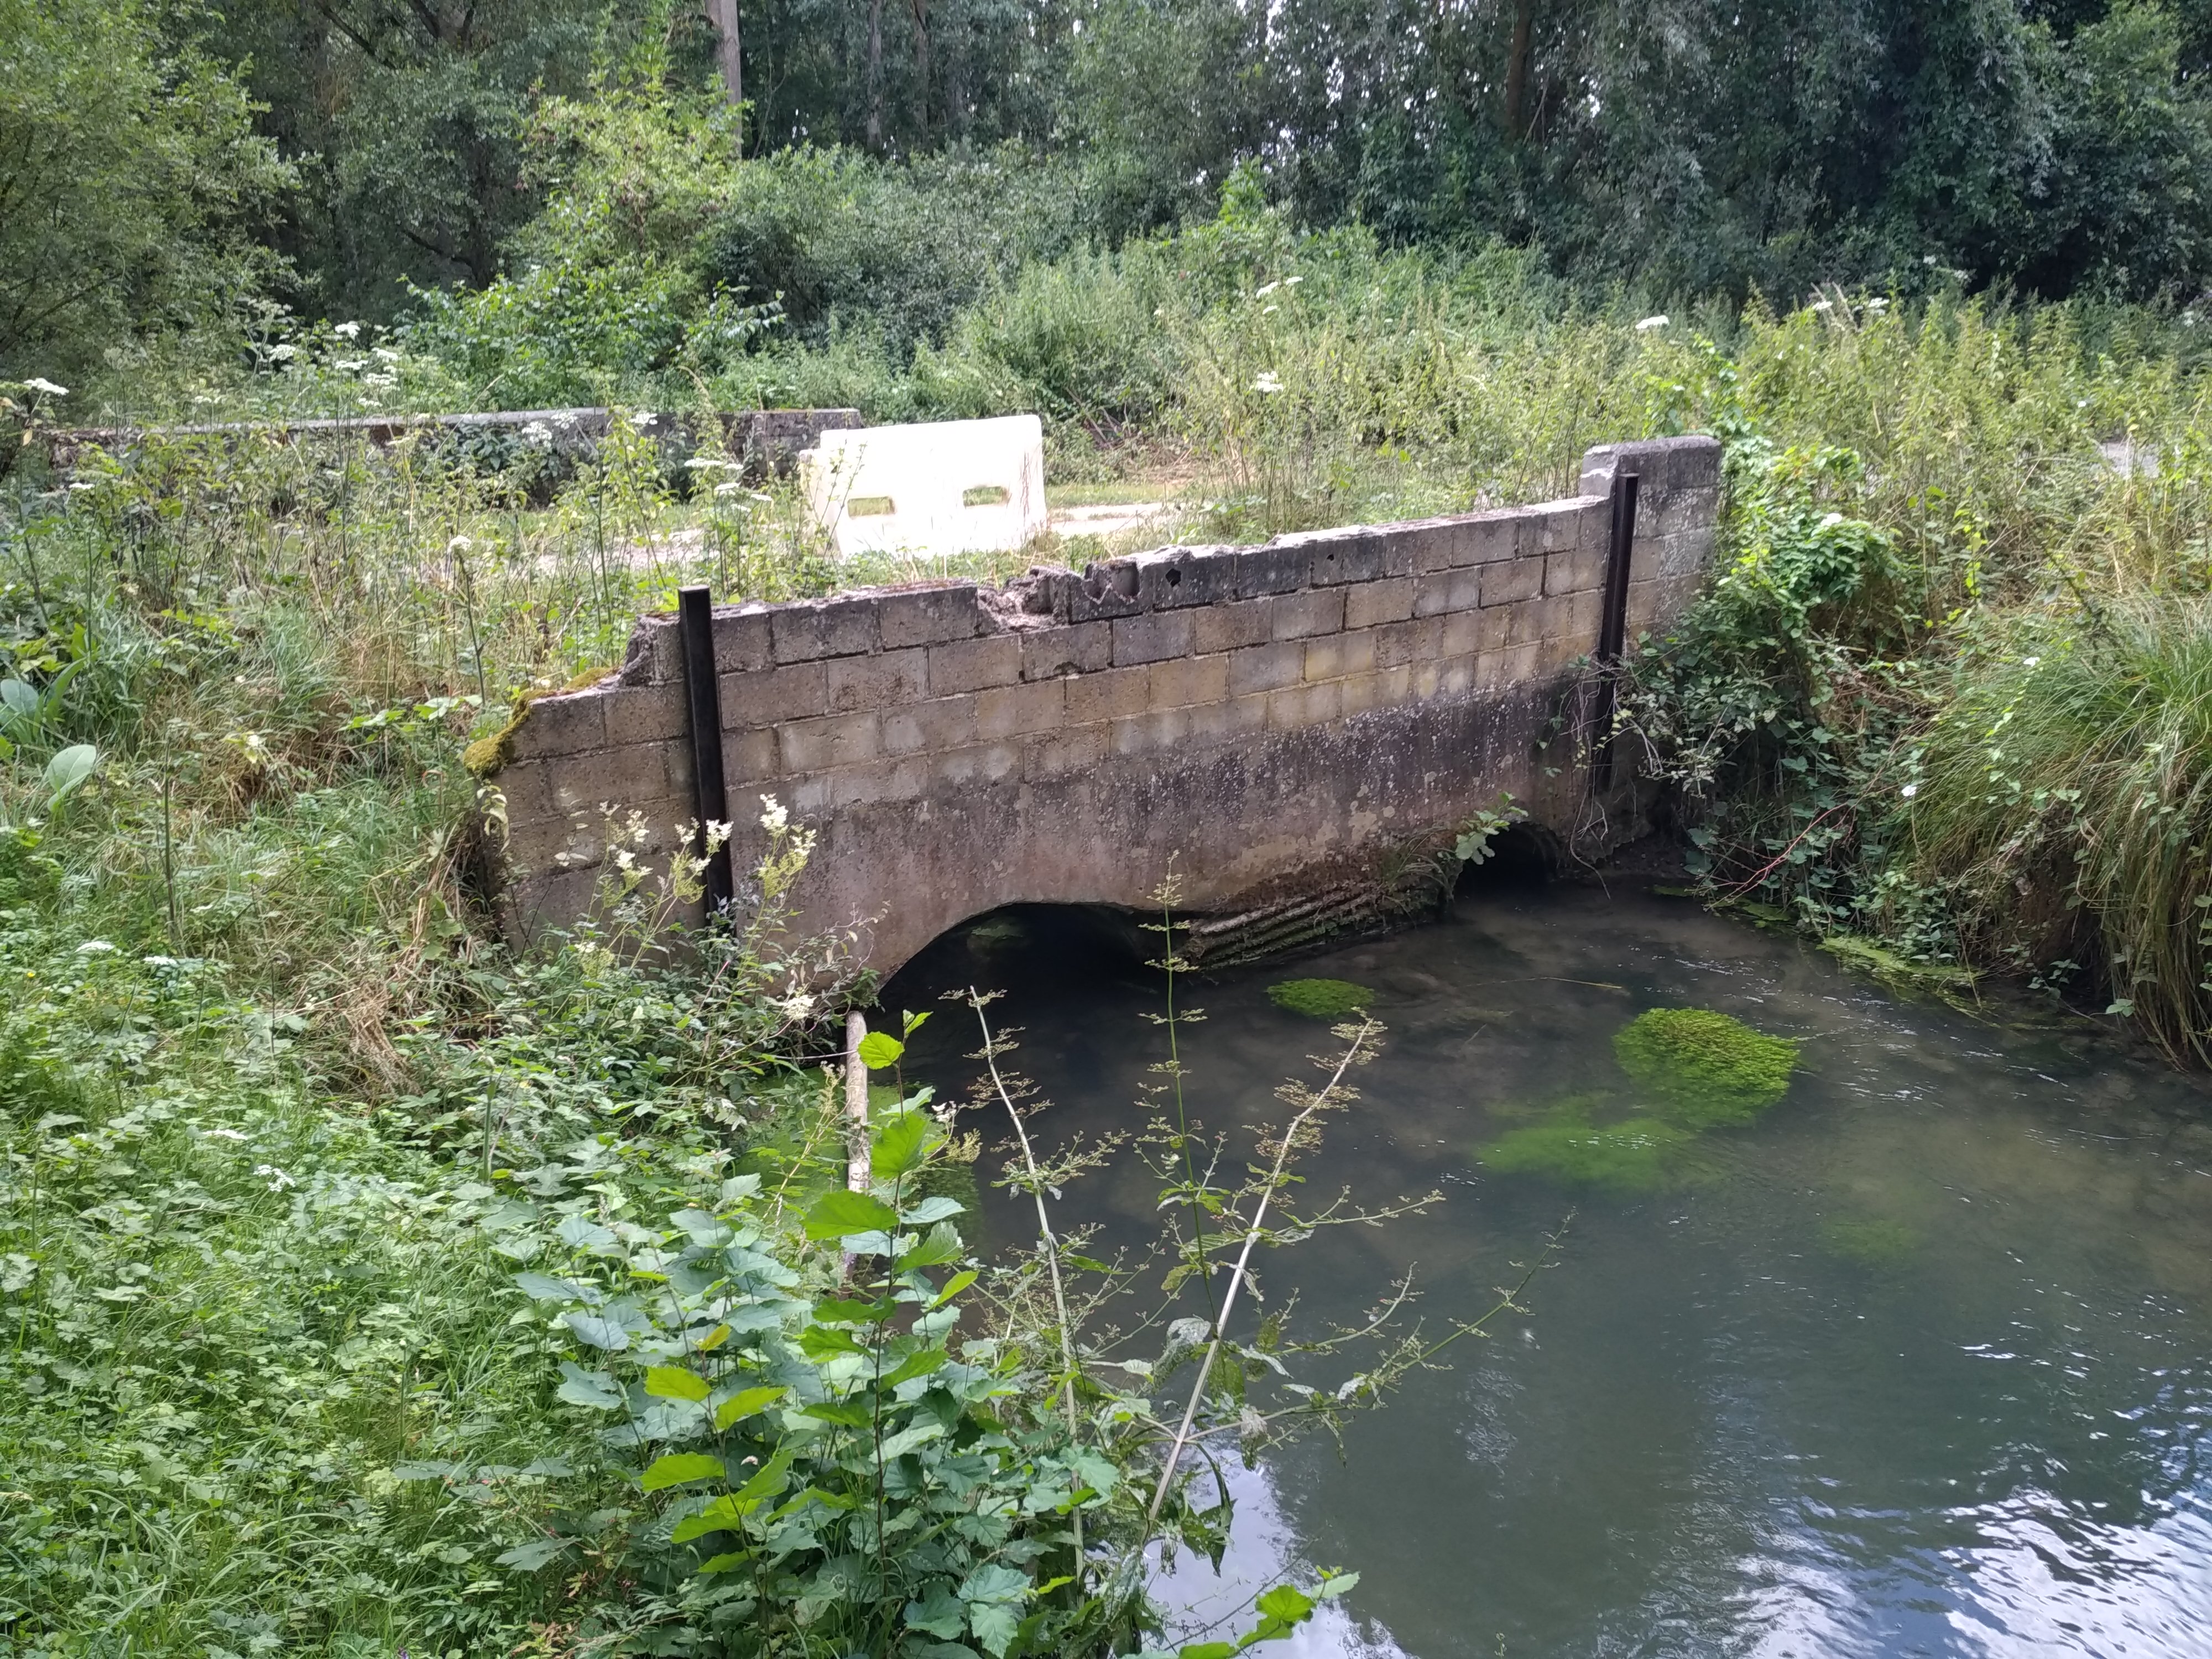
x=1269 y=381
x=1261 y=294
x=775 y=817
x=226 y=1135
x=1650 y=323
x=346 y=331
x=48 y=387
x=284 y=353
x=278 y=1180
x=798 y=1005
x=1877 y=304
x=459 y=545
x=95 y=947
x=1909 y=791
x=1824 y=304
x=2029 y=662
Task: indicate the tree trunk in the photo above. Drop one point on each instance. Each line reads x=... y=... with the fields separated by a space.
x=921 y=69
x=876 y=74
x=728 y=55
x=1516 y=71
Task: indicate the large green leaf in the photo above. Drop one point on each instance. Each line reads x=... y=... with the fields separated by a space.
x=69 y=770
x=839 y=1213
x=913 y=1366
x=941 y=1245
x=674 y=1382
x=677 y=1468
x=745 y=1403
x=899 y=1147
x=880 y=1051
x=599 y=1333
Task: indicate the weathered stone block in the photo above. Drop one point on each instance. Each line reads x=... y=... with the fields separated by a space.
x=743 y=639
x=931 y=727
x=1334 y=655
x=1379 y=689
x=1444 y=590
x=1383 y=601
x=1151 y=638
x=1575 y=569
x=1271 y=570
x=830 y=740
x=1338 y=556
x=617 y=778
x=1298 y=705
x=972 y=665
x=1188 y=681
x=1176 y=577
x=1455 y=677
x=1083 y=649
x=879 y=680
x=879 y=781
x=1301 y=616
x=1014 y=711
x=1151 y=732
x=1108 y=696
x=1226 y=627
x=929 y=616
x=1502 y=670
x=561 y=725
x=1229 y=722
x=527 y=787
x=1513 y=581
x=653 y=713
x=823 y=628
x=768 y=696
x=1686 y=463
x=1265 y=667
x=1104 y=591
x=986 y=764
x=1056 y=755
x=1681 y=511
x=749 y=757
x=1463 y=630
x=1406 y=641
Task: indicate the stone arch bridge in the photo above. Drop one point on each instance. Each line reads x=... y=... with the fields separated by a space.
x=1299 y=727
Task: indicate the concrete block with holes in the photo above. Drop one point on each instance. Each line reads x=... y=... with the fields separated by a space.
x=934 y=488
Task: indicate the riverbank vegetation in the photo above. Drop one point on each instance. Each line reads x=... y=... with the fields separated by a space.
x=350 y=1261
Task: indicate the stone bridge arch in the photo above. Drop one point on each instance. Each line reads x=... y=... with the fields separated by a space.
x=1293 y=728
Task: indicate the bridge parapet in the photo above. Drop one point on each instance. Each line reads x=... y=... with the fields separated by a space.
x=1278 y=718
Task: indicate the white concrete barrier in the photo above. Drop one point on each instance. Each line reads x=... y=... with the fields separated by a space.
x=936 y=487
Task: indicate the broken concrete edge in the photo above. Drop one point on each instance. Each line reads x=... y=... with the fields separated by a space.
x=484 y=758
x=757 y=635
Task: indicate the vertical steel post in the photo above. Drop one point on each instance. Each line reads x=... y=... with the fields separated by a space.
x=710 y=798
x=1613 y=625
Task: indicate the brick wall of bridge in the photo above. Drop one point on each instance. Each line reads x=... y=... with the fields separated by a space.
x=1268 y=715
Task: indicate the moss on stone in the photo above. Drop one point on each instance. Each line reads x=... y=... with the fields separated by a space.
x=1702 y=1069
x=1320 y=998
x=1633 y=1156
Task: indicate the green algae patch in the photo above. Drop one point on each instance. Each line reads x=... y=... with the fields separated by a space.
x=1703 y=1069
x=1634 y=1156
x=1320 y=998
x=1871 y=1242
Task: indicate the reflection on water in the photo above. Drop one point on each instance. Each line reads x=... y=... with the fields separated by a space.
x=1919 y=1362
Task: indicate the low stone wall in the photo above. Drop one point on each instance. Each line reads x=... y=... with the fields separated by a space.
x=1272 y=719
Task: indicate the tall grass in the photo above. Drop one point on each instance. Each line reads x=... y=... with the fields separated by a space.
x=2064 y=797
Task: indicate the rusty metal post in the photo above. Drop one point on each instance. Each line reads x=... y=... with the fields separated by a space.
x=710 y=797
x=1613 y=625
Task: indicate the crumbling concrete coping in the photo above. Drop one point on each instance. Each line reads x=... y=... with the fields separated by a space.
x=1269 y=720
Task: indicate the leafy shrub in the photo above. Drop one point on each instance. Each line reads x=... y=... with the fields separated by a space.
x=1705 y=1068
x=1320 y=998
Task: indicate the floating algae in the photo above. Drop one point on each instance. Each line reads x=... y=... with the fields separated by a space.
x=999 y=934
x=1870 y=1243
x=1633 y=1156
x=1704 y=1070
x=1322 y=998
x=1693 y=1069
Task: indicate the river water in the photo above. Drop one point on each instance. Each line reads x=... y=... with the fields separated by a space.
x=1917 y=1362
